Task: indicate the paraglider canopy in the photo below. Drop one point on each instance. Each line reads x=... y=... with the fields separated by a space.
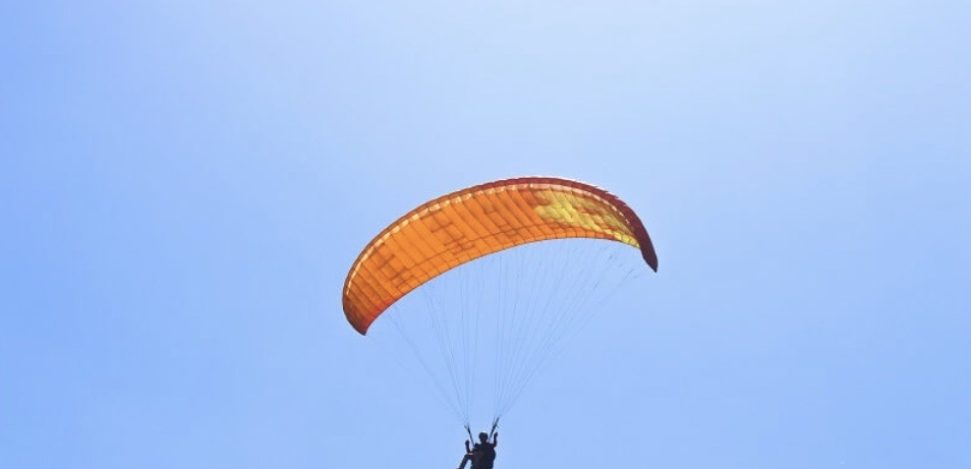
x=465 y=225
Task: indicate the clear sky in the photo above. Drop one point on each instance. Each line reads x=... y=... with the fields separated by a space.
x=184 y=185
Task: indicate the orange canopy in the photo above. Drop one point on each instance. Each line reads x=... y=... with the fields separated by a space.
x=462 y=226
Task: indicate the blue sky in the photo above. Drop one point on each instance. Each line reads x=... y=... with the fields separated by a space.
x=185 y=184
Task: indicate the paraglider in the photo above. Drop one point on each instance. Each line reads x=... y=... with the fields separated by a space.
x=481 y=260
x=482 y=454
